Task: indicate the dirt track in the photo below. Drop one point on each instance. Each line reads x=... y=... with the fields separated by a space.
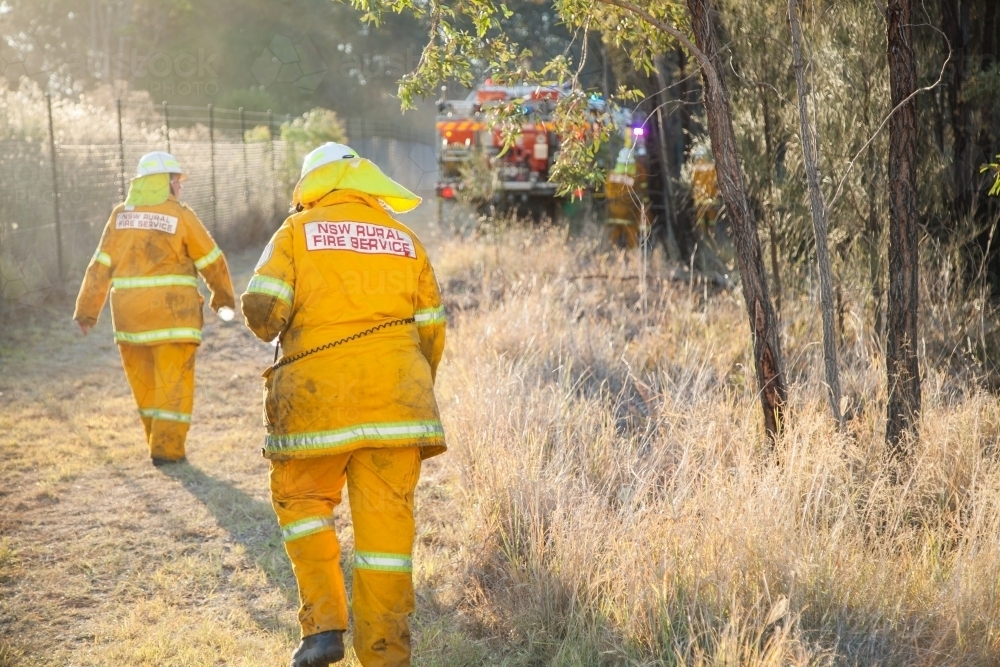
x=107 y=560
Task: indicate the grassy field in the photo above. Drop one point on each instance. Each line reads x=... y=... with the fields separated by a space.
x=607 y=499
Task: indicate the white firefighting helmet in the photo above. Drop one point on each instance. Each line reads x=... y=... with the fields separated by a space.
x=158 y=162
x=325 y=154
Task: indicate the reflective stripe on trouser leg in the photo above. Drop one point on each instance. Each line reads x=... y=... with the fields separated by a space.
x=304 y=493
x=380 y=483
x=305 y=527
x=162 y=382
x=173 y=365
x=381 y=562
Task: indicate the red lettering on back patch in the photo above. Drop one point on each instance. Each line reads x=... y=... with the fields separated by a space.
x=359 y=237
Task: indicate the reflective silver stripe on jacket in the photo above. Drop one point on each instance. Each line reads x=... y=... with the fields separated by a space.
x=153 y=281
x=158 y=335
x=387 y=431
x=271 y=287
x=208 y=259
x=427 y=316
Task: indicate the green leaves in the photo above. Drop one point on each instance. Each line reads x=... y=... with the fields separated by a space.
x=313 y=129
x=308 y=131
x=995 y=168
x=467 y=43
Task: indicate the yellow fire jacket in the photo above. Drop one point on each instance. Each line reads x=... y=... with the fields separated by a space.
x=150 y=257
x=627 y=190
x=332 y=271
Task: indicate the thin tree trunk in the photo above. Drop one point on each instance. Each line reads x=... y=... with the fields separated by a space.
x=763 y=320
x=819 y=217
x=873 y=230
x=669 y=203
x=684 y=94
x=955 y=25
x=605 y=71
x=989 y=28
x=903 y=372
x=768 y=211
x=687 y=236
x=873 y=226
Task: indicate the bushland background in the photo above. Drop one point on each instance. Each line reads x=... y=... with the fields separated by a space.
x=609 y=497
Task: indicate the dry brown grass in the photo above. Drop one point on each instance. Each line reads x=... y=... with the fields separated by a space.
x=607 y=500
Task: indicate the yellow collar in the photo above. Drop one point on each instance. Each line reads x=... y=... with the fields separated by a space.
x=345 y=197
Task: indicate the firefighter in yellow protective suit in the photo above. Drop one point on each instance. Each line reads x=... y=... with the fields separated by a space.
x=627 y=192
x=150 y=254
x=351 y=295
x=705 y=187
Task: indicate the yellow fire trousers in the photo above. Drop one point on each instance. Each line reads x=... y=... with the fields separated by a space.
x=380 y=484
x=623 y=236
x=162 y=381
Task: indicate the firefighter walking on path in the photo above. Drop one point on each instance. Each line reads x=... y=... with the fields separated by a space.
x=150 y=254
x=352 y=297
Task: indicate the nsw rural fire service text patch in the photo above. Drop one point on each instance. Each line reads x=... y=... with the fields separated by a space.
x=145 y=220
x=359 y=237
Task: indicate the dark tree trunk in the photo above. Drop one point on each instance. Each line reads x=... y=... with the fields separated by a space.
x=763 y=321
x=679 y=233
x=684 y=94
x=901 y=345
x=686 y=236
x=955 y=25
x=989 y=31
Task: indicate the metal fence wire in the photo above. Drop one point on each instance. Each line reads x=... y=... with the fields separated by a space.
x=55 y=198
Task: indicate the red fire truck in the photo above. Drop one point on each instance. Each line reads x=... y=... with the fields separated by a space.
x=520 y=175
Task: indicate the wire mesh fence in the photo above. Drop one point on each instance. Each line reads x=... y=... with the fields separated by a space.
x=55 y=196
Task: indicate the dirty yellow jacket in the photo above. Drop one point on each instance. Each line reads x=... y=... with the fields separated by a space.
x=339 y=268
x=627 y=192
x=150 y=257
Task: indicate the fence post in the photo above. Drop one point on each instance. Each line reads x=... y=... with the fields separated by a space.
x=211 y=144
x=246 y=166
x=121 y=154
x=55 y=186
x=166 y=124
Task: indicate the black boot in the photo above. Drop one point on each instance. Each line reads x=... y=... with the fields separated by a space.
x=320 y=650
x=158 y=462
